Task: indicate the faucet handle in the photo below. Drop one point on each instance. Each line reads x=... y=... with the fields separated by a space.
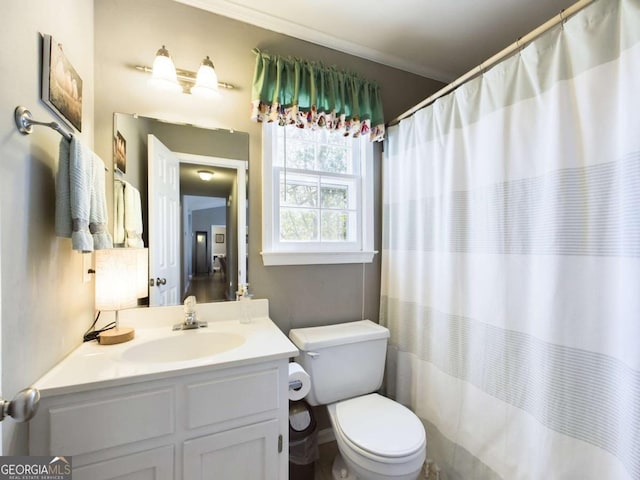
x=190 y=304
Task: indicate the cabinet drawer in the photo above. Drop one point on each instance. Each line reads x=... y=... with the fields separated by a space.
x=156 y=464
x=90 y=426
x=232 y=398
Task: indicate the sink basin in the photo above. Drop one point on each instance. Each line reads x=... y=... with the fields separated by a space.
x=183 y=346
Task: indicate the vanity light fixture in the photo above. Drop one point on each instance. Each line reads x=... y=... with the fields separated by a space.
x=165 y=76
x=205 y=175
x=206 y=81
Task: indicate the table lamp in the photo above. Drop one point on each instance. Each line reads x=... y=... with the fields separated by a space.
x=120 y=273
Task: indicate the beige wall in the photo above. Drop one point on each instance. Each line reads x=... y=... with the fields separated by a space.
x=298 y=295
x=45 y=306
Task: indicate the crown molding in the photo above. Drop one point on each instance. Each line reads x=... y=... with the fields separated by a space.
x=286 y=27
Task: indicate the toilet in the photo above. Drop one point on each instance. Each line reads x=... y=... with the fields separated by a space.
x=377 y=437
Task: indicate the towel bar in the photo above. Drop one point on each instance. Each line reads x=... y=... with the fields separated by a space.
x=25 y=123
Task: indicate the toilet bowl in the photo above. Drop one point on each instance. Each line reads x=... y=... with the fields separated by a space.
x=378 y=438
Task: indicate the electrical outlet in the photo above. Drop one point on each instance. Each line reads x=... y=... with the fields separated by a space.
x=87 y=264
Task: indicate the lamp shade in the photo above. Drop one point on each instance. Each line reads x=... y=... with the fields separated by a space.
x=206 y=80
x=117 y=278
x=163 y=75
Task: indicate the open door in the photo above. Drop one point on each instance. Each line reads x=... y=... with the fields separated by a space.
x=164 y=224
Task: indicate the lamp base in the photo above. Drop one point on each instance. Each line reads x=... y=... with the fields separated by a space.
x=116 y=335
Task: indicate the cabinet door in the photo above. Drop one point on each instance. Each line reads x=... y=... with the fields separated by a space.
x=246 y=453
x=156 y=464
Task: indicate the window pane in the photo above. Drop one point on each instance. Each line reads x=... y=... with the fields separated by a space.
x=299 y=190
x=335 y=138
x=334 y=159
x=296 y=133
x=334 y=196
x=300 y=154
x=335 y=226
x=298 y=224
x=338 y=193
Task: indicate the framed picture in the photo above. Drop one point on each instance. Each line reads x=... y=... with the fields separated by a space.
x=219 y=237
x=120 y=152
x=61 y=84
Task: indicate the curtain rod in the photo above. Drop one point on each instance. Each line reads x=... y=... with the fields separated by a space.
x=517 y=45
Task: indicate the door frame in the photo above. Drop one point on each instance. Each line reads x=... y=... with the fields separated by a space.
x=206 y=250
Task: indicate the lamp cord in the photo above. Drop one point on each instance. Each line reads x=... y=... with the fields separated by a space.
x=92 y=334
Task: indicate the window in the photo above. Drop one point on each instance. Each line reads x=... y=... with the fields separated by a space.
x=317 y=197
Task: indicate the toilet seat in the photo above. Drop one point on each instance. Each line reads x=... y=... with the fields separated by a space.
x=379 y=428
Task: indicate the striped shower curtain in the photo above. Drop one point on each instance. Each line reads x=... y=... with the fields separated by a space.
x=511 y=259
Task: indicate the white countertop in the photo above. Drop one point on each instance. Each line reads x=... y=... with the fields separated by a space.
x=92 y=366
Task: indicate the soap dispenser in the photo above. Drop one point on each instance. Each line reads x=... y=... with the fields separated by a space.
x=244 y=297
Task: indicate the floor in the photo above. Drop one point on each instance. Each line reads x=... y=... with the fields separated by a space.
x=208 y=288
x=323 y=466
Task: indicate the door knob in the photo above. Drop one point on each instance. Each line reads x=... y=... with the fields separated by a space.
x=161 y=281
x=23 y=406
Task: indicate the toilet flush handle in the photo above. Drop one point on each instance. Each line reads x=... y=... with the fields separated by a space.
x=313 y=354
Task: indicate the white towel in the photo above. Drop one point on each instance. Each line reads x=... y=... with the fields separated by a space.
x=81 y=204
x=98 y=215
x=133 y=216
x=63 y=192
x=118 y=213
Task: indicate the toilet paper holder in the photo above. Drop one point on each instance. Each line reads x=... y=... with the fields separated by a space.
x=295 y=385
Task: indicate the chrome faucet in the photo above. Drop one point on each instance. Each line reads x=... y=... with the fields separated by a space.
x=190 y=320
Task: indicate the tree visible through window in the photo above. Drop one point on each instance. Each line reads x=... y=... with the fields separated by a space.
x=317 y=174
x=317 y=193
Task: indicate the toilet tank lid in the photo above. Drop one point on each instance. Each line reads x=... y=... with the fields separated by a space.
x=313 y=338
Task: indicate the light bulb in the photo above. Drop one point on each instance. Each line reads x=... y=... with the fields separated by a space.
x=206 y=80
x=163 y=75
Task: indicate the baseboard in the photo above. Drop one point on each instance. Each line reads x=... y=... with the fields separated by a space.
x=325 y=436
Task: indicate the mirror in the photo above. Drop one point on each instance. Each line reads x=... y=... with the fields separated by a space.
x=209 y=234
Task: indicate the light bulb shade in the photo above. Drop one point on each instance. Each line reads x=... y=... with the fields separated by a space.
x=118 y=277
x=205 y=175
x=163 y=74
x=206 y=80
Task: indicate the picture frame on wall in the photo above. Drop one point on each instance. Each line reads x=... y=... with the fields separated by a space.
x=219 y=237
x=61 y=85
x=120 y=152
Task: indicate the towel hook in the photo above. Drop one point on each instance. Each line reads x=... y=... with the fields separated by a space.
x=25 y=123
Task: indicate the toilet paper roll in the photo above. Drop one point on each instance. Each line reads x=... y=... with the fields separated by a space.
x=296 y=372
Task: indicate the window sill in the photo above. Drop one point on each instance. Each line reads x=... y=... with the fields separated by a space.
x=315 y=258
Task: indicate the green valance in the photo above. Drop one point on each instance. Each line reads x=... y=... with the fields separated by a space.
x=311 y=95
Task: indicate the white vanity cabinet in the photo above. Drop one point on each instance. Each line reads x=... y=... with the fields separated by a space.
x=206 y=423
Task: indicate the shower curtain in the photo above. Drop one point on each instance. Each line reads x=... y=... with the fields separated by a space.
x=511 y=259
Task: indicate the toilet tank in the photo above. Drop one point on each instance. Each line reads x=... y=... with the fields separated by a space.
x=344 y=360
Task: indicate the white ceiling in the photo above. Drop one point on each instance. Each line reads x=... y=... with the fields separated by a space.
x=439 y=39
